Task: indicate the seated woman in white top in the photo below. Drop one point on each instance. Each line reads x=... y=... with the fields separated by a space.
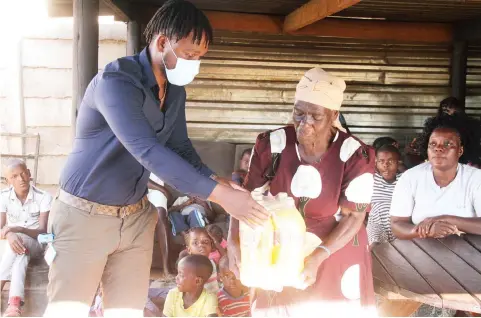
x=440 y=197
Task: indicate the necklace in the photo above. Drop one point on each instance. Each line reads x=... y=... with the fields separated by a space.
x=165 y=91
x=163 y=96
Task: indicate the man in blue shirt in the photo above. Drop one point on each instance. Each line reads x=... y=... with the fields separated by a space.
x=131 y=121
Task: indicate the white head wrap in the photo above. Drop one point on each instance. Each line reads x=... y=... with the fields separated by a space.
x=318 y=87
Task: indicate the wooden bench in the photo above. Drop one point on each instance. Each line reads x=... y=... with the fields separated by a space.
x=445 y=273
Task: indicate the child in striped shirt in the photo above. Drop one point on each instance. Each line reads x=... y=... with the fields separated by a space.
x=385 y=179
x=233 y=298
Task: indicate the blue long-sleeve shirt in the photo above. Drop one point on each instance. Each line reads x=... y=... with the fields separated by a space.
x=122 y=135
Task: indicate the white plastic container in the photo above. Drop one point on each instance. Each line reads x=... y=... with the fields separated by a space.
x=272 y=256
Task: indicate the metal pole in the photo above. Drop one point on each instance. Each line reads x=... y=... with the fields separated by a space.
x=85 y=50
x=23 y=125
x=459 y=59
x=133 y=37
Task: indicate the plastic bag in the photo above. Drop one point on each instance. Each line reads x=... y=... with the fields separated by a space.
x=272 y=256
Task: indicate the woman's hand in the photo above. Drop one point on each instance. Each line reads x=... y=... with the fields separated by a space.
x=423 y=228
x=442 y=229
x=311 y=266
x=436 y=227
x=240 y=205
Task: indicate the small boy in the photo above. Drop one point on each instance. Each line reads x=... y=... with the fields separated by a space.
x=381 y=141
x=190 y=299
x=385 y=179
x=199 y=242
x=220 y=244
x=233 y=298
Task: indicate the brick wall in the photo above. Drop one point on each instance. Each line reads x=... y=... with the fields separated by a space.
x=46 y=66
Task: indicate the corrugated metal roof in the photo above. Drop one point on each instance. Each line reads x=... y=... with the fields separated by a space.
x=473 y=81
x=247 y=85
x=415 y=10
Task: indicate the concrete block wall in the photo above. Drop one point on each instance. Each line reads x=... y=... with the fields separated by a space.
x=46 y=76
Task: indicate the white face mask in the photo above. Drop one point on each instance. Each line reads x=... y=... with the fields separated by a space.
x=184 y=71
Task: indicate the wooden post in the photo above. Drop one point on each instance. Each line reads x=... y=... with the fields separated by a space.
x=133 y=37
x=459 y=60
x=85 y=50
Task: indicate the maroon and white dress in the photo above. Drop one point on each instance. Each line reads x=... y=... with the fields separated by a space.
x=342 y=178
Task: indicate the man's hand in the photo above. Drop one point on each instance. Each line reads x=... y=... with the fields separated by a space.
x=229 y=183
x=16 y=243
x=311 y=266
x=4 y=232
x=240 y=205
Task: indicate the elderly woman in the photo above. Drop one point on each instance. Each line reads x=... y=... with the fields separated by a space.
x=440 y=197
x=329 y=174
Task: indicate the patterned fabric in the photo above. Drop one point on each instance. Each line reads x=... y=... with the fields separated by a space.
x=233 y=307
x=379 y=222
x=342 y=179
x=95 y=208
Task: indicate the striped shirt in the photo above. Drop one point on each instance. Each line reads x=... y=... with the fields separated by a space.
x=379 y=222
x=233 y=307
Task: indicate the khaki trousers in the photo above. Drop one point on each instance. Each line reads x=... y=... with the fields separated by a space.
x=97 y=248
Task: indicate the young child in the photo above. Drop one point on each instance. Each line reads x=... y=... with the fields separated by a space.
x=233 y=298
x=239 y=175
x=199 y=242
x=190 y=299
x=385 y=179
x=220 y=244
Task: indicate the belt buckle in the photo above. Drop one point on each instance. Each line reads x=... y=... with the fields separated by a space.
x=123 y=212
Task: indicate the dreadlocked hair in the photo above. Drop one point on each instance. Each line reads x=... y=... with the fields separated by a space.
x=467 y=128
x=176 y=19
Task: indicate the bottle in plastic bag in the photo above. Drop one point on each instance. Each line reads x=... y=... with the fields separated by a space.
x=272 y=256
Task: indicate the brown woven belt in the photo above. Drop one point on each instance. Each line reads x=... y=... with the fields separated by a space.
x=97 y=208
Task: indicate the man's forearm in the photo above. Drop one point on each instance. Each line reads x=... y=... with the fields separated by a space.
x=32 y=233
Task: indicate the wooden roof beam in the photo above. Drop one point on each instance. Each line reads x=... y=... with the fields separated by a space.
x=340 y=28
x=314 y=11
